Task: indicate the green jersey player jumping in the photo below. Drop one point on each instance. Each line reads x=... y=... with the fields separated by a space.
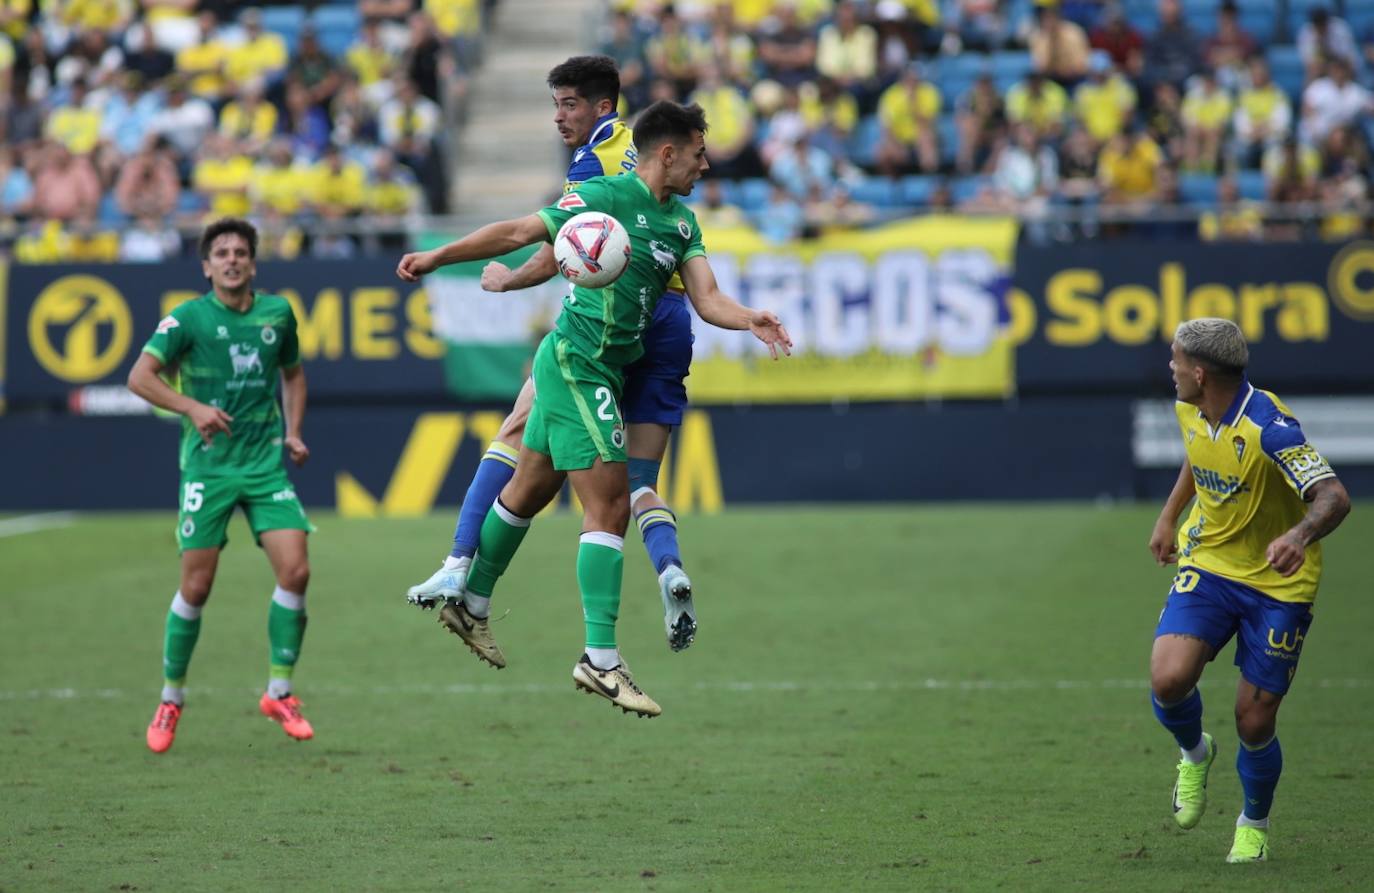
x=575 y=429
x=230 y=345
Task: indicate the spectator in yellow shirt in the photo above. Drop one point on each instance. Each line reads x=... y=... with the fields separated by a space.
x=1263 y=117
x=340 y=186
x=1104 y=102
x=1041 y=103
x=1206 y=113
x=14 y=18
x=223 y=175
x=1234 y=219
x=202 y=63
x=1128 y=167
x=262 y=55
x=847 y=51
x=372 y=63
x=280 y=187
x=731 y=150
x=76 y=124
x=249 y=119
x=907 y=111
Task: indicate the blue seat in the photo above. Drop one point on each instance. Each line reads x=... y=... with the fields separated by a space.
x=917 y=190
x=337 y=27
x=1010 y=64
x=863 y=145
x=109 y=213
x=1287 y=69
x=1259 y=23
x=878 y=191
x=1359 y=14
x=961 y=189
x=1198 y=189
x=1144 y=15
x=1250 y=184
x=947 y=131
x=753 y=195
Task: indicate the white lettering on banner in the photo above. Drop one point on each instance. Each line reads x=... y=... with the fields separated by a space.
x=840 y=305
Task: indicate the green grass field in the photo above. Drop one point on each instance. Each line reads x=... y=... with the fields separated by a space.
x=932 y=698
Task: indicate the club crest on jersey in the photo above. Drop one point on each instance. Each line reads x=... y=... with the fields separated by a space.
x=1191 y=435
x=683 y=229
x=167 y=324
x=222 y=333
x=269 y=335
x=1239 y=443
x=570 y=201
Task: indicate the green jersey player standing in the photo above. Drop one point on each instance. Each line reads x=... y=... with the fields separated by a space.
x=575 y=429
x=229 y=346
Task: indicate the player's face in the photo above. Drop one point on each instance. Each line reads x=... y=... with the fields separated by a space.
x=1187 y=375
x=230 y=265
x=687 y=164
x=574 y=116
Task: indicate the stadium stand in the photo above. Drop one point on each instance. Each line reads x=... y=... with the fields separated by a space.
x=124 y=125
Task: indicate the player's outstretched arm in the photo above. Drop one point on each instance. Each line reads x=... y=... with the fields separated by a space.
x=540 y=268
x=723 y=311
x=1329 y=504
x=492 y=240
x=293 y=408
x=144 y=381
x=1164 y=538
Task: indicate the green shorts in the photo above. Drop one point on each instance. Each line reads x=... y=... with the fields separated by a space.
x=269 y=502
x=576 y=415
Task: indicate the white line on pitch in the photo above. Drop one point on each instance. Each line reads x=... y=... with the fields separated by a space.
x=34 y=523
x=539 y=688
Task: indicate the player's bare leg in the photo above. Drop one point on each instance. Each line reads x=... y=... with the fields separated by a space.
x=1259 y=763
x=182 y=630
x=535 y=484
x=658 y=528
x=495 y=470
x=286 y=550
x=605 y=495
x=1176 y=665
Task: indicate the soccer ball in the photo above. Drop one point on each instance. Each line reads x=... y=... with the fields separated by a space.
x=592 y=250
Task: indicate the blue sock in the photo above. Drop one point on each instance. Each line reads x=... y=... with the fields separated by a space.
x=658 y=527
x=1259 y=769
x=493 y=473
x=1184 y=719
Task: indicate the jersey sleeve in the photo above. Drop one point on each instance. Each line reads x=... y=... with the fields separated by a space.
x=593 y=195
x=695 y=246
x=172 y=336
x=1283 y=442
x=290 y=354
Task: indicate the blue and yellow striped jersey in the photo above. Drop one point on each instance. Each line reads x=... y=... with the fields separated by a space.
x=1252 y=472
x=609 y=152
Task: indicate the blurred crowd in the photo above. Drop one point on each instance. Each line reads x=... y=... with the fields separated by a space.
x=1199 y=116
x=124 y=124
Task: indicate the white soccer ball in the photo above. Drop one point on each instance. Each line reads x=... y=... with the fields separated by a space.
x=592 y=249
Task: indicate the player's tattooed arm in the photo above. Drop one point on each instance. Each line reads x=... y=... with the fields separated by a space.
x=1329 y=504
x=1163 y=539
x=540 y=268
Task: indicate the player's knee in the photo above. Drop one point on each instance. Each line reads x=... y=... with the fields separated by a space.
x=612 y=517
x=1170 y=685
x=195 y=587
x=295 y=577
x=1254 y=723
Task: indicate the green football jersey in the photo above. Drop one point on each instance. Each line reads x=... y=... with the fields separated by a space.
x=606 y=323
x=230 y=360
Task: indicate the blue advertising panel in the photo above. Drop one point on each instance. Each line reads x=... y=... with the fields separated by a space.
x=363 y=333
x=1099 y=316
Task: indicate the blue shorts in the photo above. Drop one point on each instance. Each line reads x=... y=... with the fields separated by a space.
x=654 y=388
x=1214 y=609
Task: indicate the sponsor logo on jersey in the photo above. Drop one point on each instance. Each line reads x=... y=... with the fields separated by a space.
x=245 y=359
x=287 y=495
x=641 y=222
x=662 y=255
x=167 y=324
x=570 y=201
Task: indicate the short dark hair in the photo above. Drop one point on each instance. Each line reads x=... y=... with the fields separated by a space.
x=229 y=226
x=594 y=78
x=667 y=121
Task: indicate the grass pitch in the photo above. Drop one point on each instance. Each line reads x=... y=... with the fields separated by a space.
x=933 y=698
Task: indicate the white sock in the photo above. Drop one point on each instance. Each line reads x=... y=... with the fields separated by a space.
x=453 y=564
x=1246 y=822
x=174 y=694
x=278 y=688
x=1198 y=754
x=604 y=658
x=291 y=601
x=478 y=606
x=184 y=609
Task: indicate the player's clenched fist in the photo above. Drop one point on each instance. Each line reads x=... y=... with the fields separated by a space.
x=415 y=265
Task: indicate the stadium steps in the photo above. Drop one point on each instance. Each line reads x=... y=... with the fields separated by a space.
x=510 y=160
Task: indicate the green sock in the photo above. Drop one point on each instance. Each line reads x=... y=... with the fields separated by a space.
x=600 y=566
x=502 y=533
x=285 y=631
x=177 y=645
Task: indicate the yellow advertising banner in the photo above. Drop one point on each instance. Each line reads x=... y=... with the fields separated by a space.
x=912 y=309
